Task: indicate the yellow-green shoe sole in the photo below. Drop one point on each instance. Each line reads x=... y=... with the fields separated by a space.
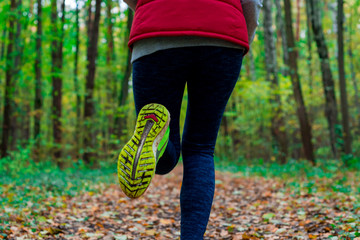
x=137 y=159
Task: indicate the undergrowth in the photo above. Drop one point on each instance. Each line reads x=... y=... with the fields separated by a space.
x=25 y=182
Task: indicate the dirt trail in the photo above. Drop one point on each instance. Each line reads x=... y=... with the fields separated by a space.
x=243 y=208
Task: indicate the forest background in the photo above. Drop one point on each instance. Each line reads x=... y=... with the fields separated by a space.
x=66 y=92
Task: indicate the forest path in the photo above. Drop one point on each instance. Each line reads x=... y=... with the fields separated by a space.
x=243 y=208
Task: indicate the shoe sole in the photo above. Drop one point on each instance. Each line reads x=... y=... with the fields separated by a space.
x=137 y=159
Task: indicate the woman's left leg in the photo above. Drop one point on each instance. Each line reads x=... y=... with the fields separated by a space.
x=215 y=74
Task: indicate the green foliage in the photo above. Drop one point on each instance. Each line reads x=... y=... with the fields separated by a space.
x=248 y=115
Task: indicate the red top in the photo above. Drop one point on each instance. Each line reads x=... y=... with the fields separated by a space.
x=205 y=18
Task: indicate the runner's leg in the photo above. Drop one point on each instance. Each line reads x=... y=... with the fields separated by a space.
x=213 y=79
x=160 y=78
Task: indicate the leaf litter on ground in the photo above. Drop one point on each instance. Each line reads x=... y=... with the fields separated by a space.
x=244 y=207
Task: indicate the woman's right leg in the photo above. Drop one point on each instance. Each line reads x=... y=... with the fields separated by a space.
x=213 y=79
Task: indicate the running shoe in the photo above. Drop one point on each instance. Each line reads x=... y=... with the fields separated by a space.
x=138 y=158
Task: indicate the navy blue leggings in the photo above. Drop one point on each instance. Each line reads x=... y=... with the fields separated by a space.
x=210 y=74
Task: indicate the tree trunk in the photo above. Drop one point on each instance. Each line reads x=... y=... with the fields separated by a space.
x=305 y=127
x=277 y=118
x=110 y=53
x=328 y=82
x=9 y=87
x=309 y=41
x=56 y=68
x=23 y=120
x=90 y=82
x=38 y=96
x=15 y=125
x=111 y=79
x=76 y=79
x=281 y=27
x=120 y=120
x=342 y=80
x=309 y=44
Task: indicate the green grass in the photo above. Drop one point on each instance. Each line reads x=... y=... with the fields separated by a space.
x=328 y=178
x=293 y=168
x=27 y=183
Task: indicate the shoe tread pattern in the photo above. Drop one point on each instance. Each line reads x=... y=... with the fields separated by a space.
x=135 y=174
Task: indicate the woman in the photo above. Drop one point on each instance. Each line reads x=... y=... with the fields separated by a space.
x=200 y=43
